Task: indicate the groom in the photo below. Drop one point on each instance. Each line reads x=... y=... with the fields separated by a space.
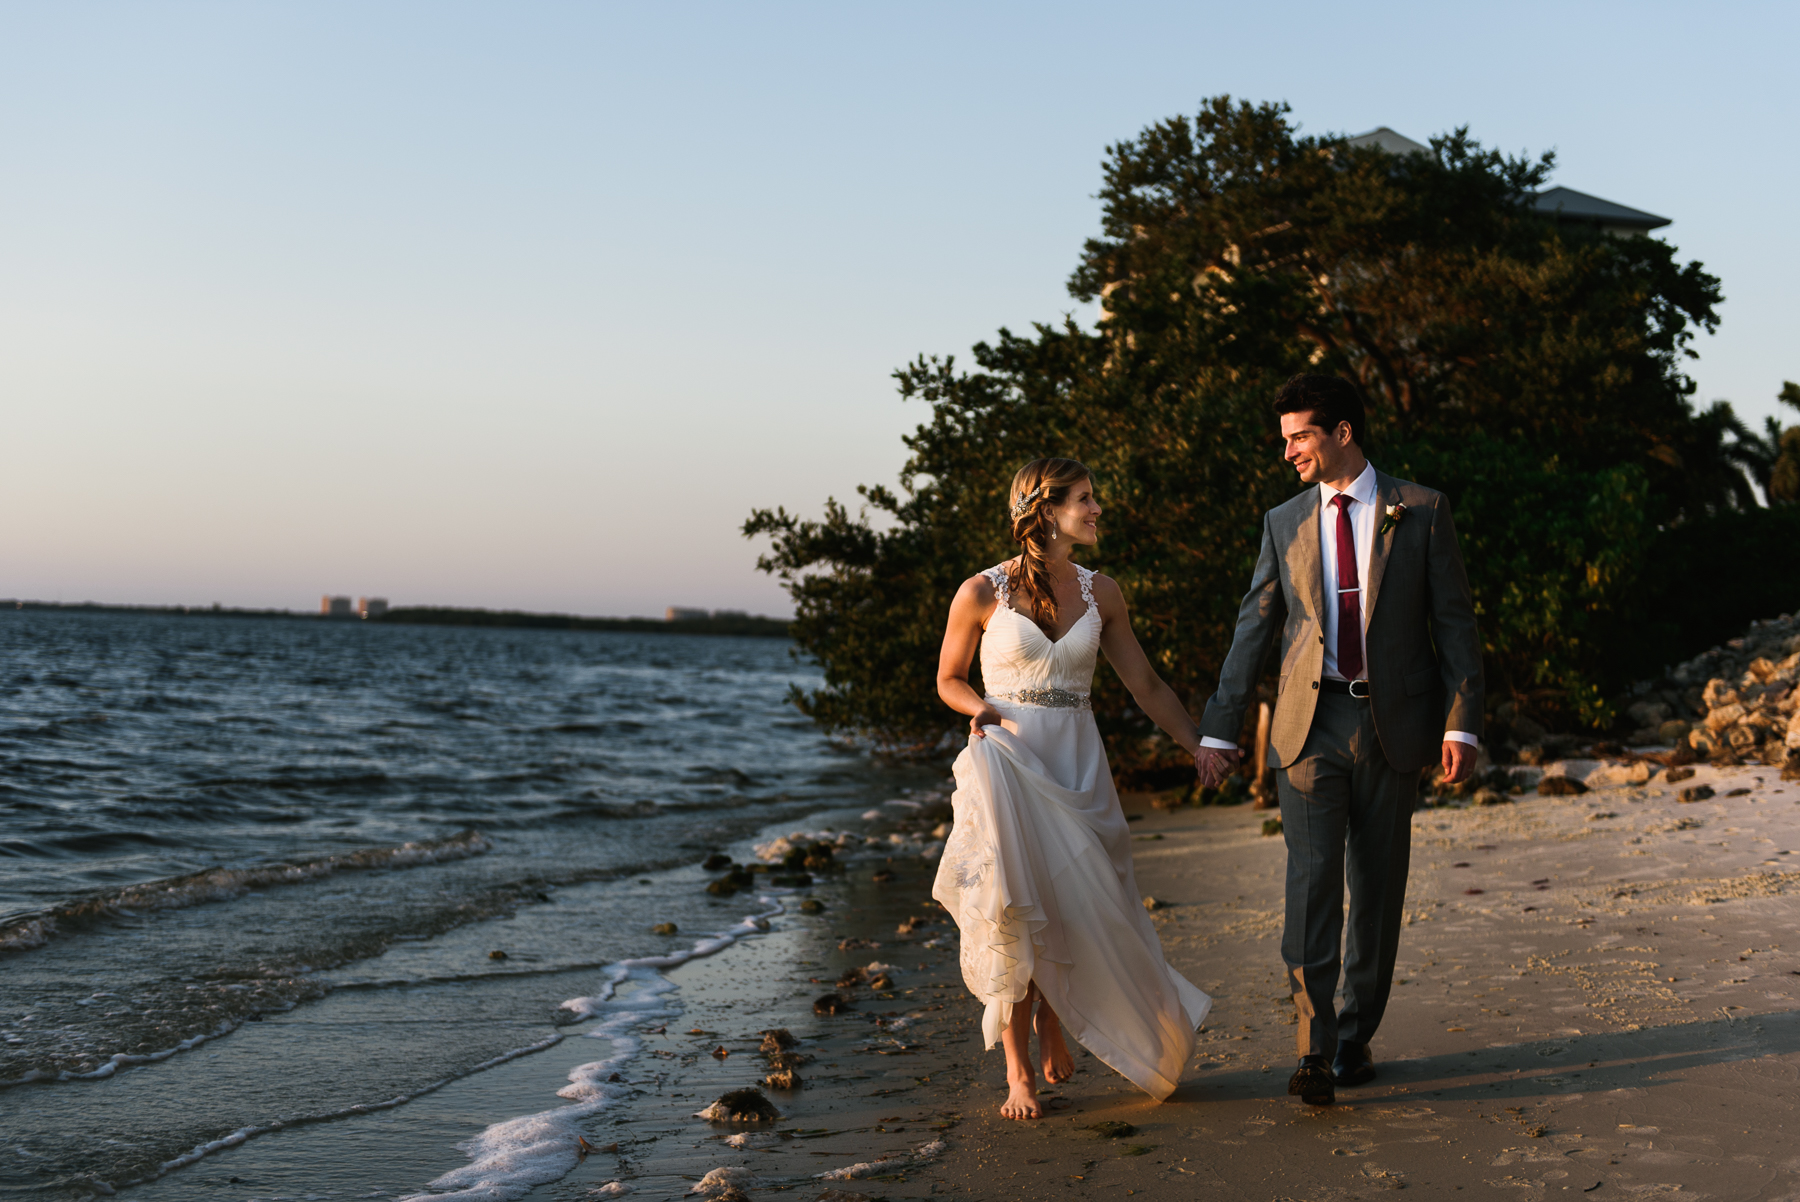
x=1380 y=678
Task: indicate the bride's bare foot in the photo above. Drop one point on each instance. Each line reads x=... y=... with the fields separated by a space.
x=1021 y=1078
x=1058 y=1065
x=1021 y=1101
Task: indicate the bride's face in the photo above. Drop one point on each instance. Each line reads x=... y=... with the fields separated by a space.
x=1078 y=517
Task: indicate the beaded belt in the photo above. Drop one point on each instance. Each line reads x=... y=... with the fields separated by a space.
x=1056 y=699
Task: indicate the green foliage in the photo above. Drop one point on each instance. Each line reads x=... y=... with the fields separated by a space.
x=1530 y=371
x=870 y=609
x=1553 y=554
x=1707 y=580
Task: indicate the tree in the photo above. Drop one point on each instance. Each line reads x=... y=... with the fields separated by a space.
x=1531 y=372
x=1777 y=457
x=1784 y=477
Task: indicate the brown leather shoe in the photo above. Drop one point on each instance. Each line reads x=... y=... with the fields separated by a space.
x=1354 y=1065
x=1312 y=1083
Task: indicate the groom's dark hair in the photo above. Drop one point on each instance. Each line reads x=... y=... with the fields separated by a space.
x=1329 y=399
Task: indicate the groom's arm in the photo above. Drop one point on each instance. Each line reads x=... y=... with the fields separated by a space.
x=1453 y=628
x=1259 y=616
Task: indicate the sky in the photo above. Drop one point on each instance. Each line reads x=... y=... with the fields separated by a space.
x=527 y=305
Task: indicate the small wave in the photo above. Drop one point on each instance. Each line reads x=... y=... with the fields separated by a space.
x=223 y=884
x=460 y=978
x=584 y=812
x=24 y=934
x=242 y=1134
x=47 y=730
x=511 y=1158
x=642 y=808
x=24 y=849
x=123 y=1060
x=729 y=776
x=96 y=841
x=298 y=781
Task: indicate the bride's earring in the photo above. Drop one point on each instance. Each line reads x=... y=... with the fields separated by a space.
x=1053 y=534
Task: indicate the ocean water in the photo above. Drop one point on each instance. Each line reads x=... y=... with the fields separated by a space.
x=404 y=850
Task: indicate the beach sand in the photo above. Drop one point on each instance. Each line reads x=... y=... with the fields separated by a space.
x=1595 y=995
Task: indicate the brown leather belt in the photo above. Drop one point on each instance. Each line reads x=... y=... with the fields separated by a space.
x=1349 y=688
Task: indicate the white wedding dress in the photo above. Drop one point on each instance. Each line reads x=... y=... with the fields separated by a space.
x=1037 y=869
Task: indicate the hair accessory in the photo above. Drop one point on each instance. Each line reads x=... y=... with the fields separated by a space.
x=1025 y=500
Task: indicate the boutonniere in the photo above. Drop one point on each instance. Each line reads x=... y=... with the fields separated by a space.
x=1391 y=518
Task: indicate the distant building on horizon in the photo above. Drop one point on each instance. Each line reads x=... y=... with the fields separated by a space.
x=335 y=607
x=371 y=607
x=1564 y=204
x=682 y=613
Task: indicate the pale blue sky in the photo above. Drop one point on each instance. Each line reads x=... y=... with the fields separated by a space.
x=527 y=304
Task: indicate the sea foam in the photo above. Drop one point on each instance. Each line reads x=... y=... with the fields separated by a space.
x=511 y=1158
x=885 y=1164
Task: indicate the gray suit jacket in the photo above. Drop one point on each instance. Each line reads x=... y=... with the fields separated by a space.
x=1424 y=655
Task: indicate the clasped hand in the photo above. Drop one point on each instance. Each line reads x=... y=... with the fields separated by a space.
x=1214 y=764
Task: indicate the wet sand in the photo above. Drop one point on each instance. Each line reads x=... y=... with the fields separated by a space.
x=881 y=1079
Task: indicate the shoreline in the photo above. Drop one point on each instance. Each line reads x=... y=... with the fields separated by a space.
x=1534 y=1042
x=730 y=995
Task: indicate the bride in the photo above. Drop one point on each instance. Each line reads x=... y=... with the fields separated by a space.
x=1037 y=870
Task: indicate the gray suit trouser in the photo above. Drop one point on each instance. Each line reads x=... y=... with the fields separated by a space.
x=1343 y=808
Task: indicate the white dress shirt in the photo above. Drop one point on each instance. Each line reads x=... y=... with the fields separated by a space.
x=1362 y=533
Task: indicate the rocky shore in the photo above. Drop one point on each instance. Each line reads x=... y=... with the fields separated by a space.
x=1742 y=697
x=1735 y=704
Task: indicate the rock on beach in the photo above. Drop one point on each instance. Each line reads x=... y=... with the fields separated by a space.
x=740 y=1106
x=1746 y=696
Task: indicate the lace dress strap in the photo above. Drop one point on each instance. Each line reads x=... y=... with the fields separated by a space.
x=1086 y=577
x=997 y=577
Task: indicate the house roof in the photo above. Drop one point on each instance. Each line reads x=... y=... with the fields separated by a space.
x=1394 y=143
x=1566 y=204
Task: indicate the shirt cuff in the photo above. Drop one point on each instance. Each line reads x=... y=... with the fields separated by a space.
x=1461 y=736
x=1221 y=744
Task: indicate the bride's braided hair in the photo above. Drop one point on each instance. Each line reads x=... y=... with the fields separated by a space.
x=1039 y=487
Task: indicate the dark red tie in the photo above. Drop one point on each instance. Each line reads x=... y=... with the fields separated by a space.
x=1349 y=595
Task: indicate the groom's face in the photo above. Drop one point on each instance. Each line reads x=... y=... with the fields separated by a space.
x=1315 y=454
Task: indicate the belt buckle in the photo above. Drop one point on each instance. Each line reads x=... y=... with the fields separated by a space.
x=1364 y=695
